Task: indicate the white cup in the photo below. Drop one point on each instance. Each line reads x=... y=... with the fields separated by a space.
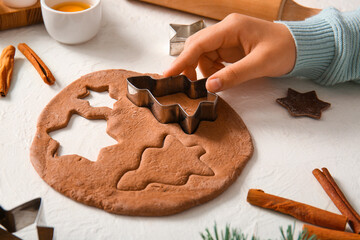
x=71 y=27
x=19 y=3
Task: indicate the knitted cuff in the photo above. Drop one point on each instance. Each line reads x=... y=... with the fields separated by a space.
x=315 y=46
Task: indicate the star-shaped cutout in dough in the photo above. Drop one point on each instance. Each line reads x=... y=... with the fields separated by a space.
x=303 y=104
x=171 y=164
x=182 y=32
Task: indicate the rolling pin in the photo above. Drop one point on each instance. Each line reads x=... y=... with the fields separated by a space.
x=218 y=9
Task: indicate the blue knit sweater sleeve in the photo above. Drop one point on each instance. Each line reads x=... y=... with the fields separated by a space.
x=327 y=47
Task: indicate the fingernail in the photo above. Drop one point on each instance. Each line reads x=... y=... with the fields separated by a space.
x=214 y=85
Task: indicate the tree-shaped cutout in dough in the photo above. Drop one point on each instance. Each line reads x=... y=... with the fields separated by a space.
x=171 y=164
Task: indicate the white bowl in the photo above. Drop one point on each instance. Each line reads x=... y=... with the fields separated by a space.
x=71 y=27
x=19 y=3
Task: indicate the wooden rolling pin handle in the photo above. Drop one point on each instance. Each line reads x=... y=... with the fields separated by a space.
x=218 y=9
x=291 y=11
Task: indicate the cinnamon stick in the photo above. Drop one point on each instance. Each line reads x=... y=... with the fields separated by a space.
x=6 y=69
x=339 y=192
x=327 y=234
x=338 y=198
x=39 y=65
x=301 y=211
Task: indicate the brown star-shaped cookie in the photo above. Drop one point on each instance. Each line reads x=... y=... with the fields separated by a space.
x=303 y=104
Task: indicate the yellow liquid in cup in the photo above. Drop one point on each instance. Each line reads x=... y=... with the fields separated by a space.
x=71 y=6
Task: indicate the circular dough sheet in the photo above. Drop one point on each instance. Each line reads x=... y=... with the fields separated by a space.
x=155 y=169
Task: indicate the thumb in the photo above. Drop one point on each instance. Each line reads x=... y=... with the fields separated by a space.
x=250 y=67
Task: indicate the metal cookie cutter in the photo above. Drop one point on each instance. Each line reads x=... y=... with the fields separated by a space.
x=143 y=90
x=182 y=32
x=22 y=216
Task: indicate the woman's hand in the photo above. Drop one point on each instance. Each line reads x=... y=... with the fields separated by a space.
x=256 y=48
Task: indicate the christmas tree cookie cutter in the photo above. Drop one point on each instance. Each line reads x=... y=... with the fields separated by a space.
x=143 y=90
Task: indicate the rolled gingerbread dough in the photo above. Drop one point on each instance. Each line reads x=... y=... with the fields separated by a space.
x=155 y=169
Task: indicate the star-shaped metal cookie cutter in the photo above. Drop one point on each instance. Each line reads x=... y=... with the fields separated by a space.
x=143 y=90
x=182 y=32
x=21 y=217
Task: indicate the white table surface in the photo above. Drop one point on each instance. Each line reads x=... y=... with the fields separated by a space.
x=135 y=36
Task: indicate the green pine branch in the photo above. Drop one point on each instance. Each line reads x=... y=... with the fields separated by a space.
x=237 y=234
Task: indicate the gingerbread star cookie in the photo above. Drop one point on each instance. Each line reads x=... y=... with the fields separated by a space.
x=303 y=104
